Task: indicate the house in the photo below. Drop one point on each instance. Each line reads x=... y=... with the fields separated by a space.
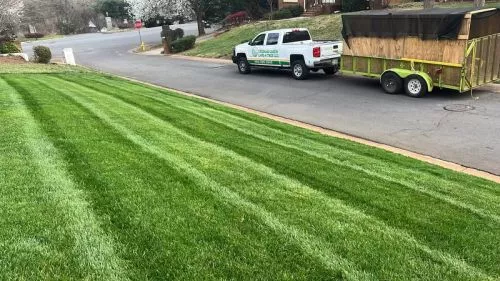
x=313 y=7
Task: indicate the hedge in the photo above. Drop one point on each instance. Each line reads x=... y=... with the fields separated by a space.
x=183 y=44
x=8 y=48
x=35 y=35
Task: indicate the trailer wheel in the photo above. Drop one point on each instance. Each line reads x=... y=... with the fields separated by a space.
x=415 y=86
x=391 y=83
x=331 y=70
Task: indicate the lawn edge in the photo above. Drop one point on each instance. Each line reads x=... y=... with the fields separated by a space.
x=329 y=132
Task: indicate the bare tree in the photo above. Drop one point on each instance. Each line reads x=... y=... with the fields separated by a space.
x=479 y=3
x=428 y=4
x=10 y=11
x=270 y=4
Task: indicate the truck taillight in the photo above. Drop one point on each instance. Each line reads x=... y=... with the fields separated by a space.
x=316 y=52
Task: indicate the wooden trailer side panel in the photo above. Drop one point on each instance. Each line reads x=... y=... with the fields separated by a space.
x=448 y=51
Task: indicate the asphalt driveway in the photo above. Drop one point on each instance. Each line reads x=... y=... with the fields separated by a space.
x=353 y=105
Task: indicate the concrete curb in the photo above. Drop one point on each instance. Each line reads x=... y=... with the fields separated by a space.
x=212 y=60
x=422 y=157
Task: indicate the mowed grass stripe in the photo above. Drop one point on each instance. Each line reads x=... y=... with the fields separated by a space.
x=308 y=243
x=114 y=107
x=161 y=259
x=92 y=247
x=464 y=234
x=444 y=193
x=337 y=150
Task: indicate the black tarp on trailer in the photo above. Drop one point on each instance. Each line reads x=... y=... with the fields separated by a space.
x=427 y=24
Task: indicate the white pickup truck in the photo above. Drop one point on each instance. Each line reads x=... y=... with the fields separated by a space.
x=288 y=48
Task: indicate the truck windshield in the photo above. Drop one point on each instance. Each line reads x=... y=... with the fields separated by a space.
x=296 y=36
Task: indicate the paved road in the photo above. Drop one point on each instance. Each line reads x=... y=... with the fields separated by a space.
x=353 y=105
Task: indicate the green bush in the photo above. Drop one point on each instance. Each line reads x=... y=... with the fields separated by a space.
x=42 y=54
x=8 y=47
x=296 y=10
x=183 y=44
x=34 y=35
x=282 y=14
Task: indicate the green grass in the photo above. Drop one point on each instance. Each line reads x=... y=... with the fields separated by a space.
x=105 y=179
x=321 y=27
x=326 y=27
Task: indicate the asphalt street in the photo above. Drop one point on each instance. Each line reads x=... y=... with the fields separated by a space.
x=353 y=105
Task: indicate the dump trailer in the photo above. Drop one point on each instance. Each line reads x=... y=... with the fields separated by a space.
x=420 y=50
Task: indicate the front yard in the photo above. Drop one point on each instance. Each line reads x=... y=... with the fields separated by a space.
x=105 y=179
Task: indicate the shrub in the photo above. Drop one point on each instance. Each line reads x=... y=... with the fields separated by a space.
x=35 y=35
x=353 y=5
x=179 y=33
x=296 y=10
x=282 y=14
x=122 y=25
x=42 y=54
x=8 y=48
x=236 y=18
x=183 y=44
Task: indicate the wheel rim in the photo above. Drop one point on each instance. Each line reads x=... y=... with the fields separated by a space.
x=414 y=86
x=243 y=66
x=297 y=70
x=390 y=84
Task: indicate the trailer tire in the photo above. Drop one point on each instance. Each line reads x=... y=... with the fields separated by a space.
x=331 y=70
x=300 y=71
x=415 y=86
x=243 y=65
x=391 y=83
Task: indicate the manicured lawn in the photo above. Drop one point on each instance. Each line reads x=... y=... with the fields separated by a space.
x=104 y=179
x=327 y=27
x=322 y=27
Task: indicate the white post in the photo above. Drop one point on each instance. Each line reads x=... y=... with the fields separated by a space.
x=69 y=58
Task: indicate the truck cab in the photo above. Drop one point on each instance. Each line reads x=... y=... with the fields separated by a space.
x=288 y=48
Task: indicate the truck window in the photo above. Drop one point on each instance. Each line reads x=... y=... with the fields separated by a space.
x=296 y=36
x=259 y=40
x=272 y=38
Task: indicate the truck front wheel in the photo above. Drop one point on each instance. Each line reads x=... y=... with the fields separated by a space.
x=299 y=70
x=243 y=65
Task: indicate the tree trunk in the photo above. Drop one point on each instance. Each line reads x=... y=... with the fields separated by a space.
x=428 y=4
x=479 y=3
x=201 y=25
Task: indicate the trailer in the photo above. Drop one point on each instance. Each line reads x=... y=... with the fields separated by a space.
x=420 y=50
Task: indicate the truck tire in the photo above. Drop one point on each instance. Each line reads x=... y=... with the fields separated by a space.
x=415 y=86
x=299 y=70
x=391 y=83
x=243 y=65
x=331 y=70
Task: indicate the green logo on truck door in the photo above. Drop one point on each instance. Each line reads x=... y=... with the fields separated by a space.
x=267 y=57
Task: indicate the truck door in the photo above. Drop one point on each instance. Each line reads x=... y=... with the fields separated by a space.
x=273 y=52
x=255 y=56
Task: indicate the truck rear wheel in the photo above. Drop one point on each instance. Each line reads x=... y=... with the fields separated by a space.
x=415 y=86
x=243 y=65
x=299 y=70
x=331 y=70
x=391 y=83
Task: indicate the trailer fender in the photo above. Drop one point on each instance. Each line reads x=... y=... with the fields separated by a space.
x=403 y=73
